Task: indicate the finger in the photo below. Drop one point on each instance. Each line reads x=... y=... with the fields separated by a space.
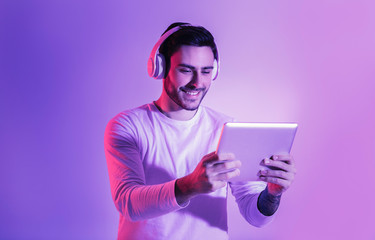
x=222 y=157
x=225 y=176
x=224 y=166
x=218 y=184
x=276 y=174
x=226 y=156
x=281 y=182
x=287 y=158
x=278 y=165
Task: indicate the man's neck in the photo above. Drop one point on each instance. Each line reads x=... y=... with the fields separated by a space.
x=172 y=110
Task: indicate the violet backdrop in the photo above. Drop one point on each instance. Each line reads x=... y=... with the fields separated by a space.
x=67 y=67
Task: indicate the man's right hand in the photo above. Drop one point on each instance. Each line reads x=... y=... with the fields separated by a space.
x=212 y=173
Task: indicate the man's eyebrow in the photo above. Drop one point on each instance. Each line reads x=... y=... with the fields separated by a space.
x=186 y=65
x=192 y=67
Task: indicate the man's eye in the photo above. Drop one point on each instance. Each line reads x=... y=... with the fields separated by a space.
x=184 y=70
x=206 y=72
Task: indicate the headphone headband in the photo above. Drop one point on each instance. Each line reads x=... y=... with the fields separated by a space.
x=156 y=66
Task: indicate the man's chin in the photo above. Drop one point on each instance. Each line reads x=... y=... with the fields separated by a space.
x=190 y=107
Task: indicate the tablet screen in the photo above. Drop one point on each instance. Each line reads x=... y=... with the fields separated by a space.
x=252 y=142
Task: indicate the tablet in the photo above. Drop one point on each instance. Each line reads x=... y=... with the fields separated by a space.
x=252 y=142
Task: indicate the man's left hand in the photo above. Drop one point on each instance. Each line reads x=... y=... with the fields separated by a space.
x=280 y=173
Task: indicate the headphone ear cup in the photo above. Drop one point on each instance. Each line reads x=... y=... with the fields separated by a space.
x=159 y=66
x=151 y=67
x=215 y=70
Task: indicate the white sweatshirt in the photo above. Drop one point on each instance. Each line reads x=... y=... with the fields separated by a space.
x=146 y=152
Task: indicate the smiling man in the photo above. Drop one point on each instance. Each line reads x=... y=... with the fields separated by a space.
x=166 y=180
x=187 y=82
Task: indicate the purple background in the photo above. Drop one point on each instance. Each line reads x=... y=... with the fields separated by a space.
x=67 y=67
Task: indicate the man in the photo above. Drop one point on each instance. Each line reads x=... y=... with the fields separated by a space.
x=166 y=180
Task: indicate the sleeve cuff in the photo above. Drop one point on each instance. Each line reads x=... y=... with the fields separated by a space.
x=175 y=203
x=259 y=219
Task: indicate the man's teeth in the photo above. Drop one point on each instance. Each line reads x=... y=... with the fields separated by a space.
x=192 y=93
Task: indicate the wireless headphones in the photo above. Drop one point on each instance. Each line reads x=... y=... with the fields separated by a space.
x=156 y=65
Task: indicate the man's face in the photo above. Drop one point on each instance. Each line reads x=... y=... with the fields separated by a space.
x=190 y=76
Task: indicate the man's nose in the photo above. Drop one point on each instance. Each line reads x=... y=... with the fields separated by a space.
x=196 y=79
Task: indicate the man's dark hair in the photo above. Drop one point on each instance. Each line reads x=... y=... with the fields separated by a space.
x=187 y=35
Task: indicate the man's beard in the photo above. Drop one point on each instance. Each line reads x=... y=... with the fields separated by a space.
x=173 y=94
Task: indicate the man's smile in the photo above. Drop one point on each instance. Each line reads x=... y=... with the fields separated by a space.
x=192 y=92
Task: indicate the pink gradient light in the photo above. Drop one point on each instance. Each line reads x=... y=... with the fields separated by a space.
x=67 y=67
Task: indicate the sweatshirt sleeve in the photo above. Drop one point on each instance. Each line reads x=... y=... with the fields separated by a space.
x=246 y=195
x=134 y=199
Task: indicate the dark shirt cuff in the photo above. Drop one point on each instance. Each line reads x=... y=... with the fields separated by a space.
x=267 y=203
